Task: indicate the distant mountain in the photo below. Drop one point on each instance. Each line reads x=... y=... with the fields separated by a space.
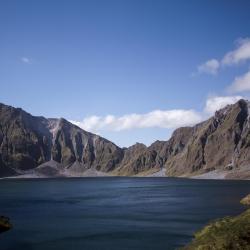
x=38 y=147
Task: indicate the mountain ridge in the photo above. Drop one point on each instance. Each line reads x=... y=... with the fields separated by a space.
x=50 y=147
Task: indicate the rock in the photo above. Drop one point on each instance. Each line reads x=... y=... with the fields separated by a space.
x=246 y=200
x=27 y=141
x=137 y=158
x=5 y=224
x=220 y=145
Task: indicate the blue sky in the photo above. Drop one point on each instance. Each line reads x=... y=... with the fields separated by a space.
x=109 y=65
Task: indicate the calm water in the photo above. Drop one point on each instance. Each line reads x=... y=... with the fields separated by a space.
x=113 y=213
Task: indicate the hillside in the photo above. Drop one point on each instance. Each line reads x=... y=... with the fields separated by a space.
x=216 y=148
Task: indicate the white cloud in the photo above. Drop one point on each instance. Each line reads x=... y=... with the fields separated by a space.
x=240 y=54
x=168 y=119
x=158 y=118
x=240 y=83
x=26 y=60
x=209 y=67
x=218 y=102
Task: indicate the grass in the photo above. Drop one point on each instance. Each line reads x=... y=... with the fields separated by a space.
x=224 y=234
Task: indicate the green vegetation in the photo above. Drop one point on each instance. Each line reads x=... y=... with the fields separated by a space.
x=224 y=234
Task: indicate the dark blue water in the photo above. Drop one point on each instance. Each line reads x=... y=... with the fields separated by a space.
x=113 y=213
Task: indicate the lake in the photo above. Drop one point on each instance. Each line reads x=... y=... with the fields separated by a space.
x=113 y=213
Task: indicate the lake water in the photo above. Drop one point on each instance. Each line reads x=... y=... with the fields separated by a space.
x=113 y=213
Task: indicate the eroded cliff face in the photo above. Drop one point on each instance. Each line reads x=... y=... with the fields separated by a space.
x=74 y=145
x=57 y=147
x=27 y=142
x=137 y=158
x=220 y=143
x=24 y=140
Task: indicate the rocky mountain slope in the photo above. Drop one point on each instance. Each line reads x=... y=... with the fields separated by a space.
x=50 y=146
x=35 y=146
x=219 y=145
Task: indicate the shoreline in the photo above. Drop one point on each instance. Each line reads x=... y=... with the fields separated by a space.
x=194 y=178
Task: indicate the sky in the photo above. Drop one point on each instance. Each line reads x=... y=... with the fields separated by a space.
x=128 y=70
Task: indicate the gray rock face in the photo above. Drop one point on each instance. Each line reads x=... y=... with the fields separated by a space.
x=72 y=144
x=220 y=143
x=25 y=141
x=29 y=143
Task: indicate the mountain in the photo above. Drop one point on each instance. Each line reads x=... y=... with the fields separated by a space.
x=216 y=148
x=50 y=146
x=38 y=147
